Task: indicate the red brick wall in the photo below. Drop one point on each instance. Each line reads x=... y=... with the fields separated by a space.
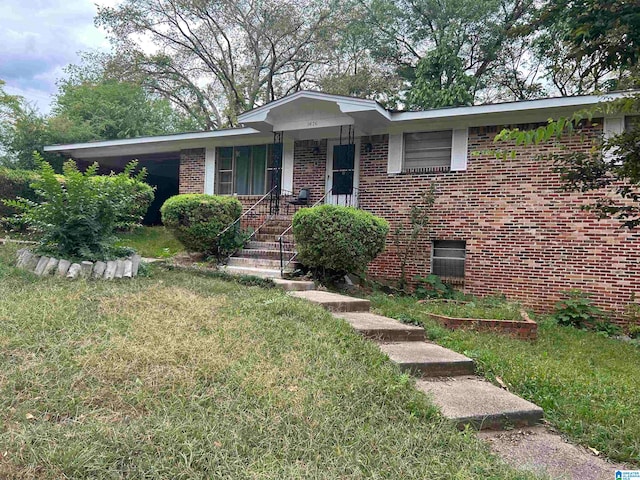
x=309 y=168
x=525 y=238
x=192 y=171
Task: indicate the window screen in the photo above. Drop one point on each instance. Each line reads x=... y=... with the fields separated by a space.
x=427 y=151
x=448 y=258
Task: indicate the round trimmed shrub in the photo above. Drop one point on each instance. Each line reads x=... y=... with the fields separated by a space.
x=197 y=219
x=338 y=239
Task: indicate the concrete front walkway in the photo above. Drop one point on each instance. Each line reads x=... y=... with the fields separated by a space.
x=447 y=377
x=444 y=373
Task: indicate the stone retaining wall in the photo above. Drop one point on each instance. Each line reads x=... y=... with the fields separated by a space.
x=43 y=265
x=526 y=329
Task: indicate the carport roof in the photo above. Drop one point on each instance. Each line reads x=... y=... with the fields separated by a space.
x=147 y=145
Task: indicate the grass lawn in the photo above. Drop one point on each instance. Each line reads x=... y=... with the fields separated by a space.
x=154 y=242
x=183 y=376
x=587 y=384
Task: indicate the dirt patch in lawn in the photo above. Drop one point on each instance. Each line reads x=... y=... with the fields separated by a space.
x=544 y=452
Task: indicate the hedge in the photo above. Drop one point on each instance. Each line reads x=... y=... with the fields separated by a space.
x=196 y=220
x=15 y=183
x=338 y=239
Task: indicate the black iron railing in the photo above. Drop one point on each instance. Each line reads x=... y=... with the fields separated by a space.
x=286 y=243
x=257 y=215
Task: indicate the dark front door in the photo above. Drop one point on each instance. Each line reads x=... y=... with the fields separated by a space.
x=343 y=174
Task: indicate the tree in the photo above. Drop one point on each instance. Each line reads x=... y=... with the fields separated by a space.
x=447 y=53
x=350 y=67
x=608 y=34
x=215 y=60
x=106 y=109
x=22 y=131
x=588 y=45
x=90 y=105
x=441 y=81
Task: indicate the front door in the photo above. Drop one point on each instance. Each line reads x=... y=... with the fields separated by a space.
x=343 y=168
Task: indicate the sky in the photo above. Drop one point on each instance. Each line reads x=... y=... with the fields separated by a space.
x=38 y=38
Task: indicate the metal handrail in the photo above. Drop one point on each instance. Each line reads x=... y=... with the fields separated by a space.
x=284 y=264
x=252 y=211
x=237 y=220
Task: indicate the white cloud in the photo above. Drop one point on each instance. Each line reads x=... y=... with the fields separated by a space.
x=38 y=38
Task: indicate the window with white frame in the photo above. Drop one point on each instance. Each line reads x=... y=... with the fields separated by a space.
x=245 y=170
x=427 y=152
x=448 y=258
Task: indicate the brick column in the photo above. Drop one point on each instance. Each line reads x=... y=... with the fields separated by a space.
x=192 y=170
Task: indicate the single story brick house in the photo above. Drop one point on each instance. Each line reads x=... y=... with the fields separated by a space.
x=497 y=225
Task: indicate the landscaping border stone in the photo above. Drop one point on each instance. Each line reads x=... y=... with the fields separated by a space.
x=525 y=329
x=43 y=266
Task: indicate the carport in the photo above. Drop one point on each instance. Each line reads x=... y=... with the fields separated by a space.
x=160 y=155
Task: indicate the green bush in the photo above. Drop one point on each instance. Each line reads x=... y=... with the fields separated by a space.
x=133 y=200
x=576 y=310
x=196 y=220
x=14 y=184
x=336 y=240
x=76 y=217
x=432 y=286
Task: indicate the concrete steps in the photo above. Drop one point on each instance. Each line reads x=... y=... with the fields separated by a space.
x=480 y=404
x=333 y=301
x=382 y=329
x=248 y=270
x=274 y=229
x=294 y=285
x=264 y=254
x=428 y=359
x=261 y=255
x=272 y=238
x=254 y=262
x=443 y=374
x=255 y=245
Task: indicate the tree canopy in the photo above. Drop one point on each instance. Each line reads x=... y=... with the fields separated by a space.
x=89 y=106
x=607 y=34
x=179 y=65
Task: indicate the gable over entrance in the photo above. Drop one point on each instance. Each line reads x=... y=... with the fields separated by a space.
x=309 y=115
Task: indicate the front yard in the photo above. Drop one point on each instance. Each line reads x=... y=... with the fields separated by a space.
x=154 y=242
x=586 y=383
x=184 y=376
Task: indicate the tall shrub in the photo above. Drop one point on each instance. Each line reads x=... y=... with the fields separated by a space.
x=76 y=217
x=336 y=240
x=13 y=184
x=198 y=219
x=134 y=199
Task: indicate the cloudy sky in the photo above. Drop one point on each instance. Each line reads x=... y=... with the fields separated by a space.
x=38 y=38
